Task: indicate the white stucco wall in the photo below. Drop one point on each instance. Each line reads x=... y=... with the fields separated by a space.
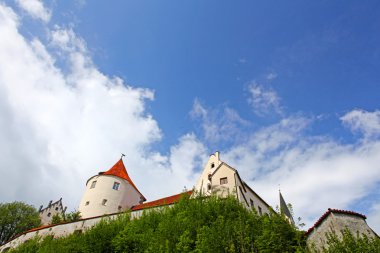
x=212 y=174
x=117 y=200
x=212 y=164
x=56 y=230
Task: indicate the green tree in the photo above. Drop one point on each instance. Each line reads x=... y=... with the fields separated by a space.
x=56 y=219
x=16 y=217
x=348 y=242
x=72 y=216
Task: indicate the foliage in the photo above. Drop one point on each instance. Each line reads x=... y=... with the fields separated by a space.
x=70 y=217
x=193 y=225
x=16 y=217
x=96 y=239
x=351 y=243
x=56 y=219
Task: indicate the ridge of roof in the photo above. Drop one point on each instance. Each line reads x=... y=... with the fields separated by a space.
x=161 y=202
x=332 y=210
x=120 y=171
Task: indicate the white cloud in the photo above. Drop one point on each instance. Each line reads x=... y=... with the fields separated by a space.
x=374 y=217
x=263 y=100
x=218 y=124
x=271 y=76
x=36 y=9
x=315 y=172
x=58 y=127
x=367 y=123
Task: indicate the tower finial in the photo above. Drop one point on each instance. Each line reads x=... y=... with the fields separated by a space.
x=122 y=155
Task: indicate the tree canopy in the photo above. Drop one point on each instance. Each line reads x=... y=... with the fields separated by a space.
x=16 y=217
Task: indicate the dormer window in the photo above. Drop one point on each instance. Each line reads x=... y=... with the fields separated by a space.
x=93 y=184
x=116 y=186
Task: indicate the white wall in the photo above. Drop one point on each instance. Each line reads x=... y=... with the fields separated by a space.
x=117 y=200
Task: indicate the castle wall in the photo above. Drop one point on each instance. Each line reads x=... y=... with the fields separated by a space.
x=61 y=230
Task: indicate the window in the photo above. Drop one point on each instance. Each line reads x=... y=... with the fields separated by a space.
x=87 y=203
x=93 y=184
x=119 y=208
x=49 y=214
x=223 y=180
x=251 y=201
x=104 y=202
x=212 y=165
x=56 y=208
x=116 y=186
x=260 y=211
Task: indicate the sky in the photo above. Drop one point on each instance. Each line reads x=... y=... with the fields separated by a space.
x=287 y=91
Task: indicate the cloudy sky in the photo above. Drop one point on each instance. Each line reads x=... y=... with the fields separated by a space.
x=288 y=92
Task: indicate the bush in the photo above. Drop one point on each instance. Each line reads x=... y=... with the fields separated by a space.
x=193 y=225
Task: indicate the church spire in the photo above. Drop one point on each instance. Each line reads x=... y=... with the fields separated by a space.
x=285 y=210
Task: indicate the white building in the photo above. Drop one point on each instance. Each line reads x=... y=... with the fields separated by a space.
x=109 y=192
x=47 y=213
x=221 y=179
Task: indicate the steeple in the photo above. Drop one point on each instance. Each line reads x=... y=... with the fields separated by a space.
x=119 y=170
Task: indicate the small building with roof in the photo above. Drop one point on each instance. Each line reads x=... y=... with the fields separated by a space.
x=336 y=221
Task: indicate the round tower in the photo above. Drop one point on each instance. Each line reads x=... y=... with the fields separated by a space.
x=109 y=192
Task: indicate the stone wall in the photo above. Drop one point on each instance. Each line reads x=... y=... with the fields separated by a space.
x=336 y=222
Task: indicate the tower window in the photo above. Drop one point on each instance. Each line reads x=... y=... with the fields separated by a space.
x=104 y=202
x=223 y=180
x=93 y=184
x=116 y=186
x=87 y=203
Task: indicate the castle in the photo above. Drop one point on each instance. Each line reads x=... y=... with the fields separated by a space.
x=109 y=193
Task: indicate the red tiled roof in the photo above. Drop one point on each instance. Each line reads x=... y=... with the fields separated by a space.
x=119 y=170
x=330 y=210
x=161 y=202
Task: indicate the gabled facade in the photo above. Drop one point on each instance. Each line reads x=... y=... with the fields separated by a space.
x=110 y=192
x=335 y=221
x=221 y=179
x=53 y=208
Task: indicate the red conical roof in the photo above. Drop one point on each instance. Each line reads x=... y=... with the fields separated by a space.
x=119 y=170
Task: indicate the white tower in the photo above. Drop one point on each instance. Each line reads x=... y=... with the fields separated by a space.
x=109 y=192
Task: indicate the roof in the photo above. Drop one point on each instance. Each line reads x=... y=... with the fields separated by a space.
x=327 y=213
x=120 y=171
x=161 y=202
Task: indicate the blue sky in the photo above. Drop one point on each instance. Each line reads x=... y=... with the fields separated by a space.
x=287 y=91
